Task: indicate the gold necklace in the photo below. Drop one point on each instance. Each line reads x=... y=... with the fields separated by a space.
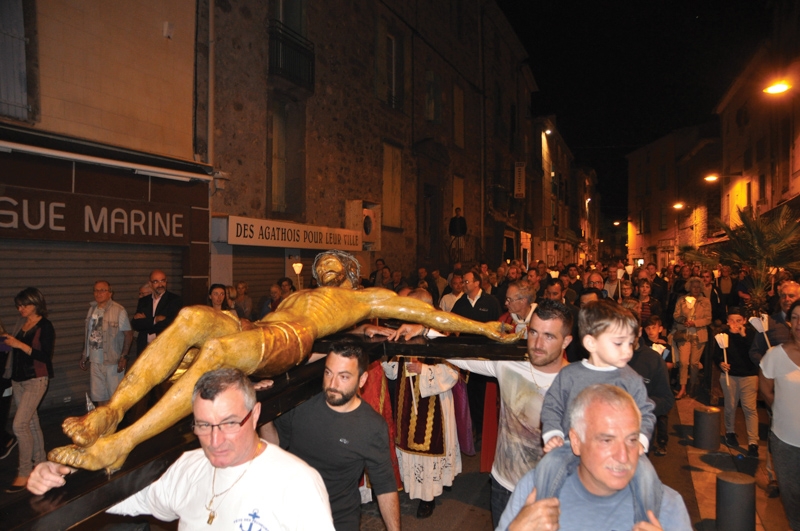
x=543 y=388
x=209 y=506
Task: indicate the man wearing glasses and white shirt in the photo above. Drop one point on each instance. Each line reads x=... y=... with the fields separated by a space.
x=234 y=480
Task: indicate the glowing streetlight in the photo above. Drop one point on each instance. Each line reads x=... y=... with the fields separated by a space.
x=616 y=223
x=547 y=131
x=778 y=88
x=711 y=178
x=678 y=206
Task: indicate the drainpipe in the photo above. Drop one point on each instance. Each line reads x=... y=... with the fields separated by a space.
x=211 y=55
x=483 y=130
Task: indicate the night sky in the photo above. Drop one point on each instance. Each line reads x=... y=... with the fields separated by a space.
x=618 y=74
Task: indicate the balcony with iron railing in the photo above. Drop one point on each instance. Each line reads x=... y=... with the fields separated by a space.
x=291 y=60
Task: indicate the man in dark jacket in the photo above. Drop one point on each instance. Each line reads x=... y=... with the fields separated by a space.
x=155 y=312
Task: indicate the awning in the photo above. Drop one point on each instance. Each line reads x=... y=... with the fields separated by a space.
x=13 y=139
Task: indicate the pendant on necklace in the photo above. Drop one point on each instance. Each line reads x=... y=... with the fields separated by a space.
x=211 y=516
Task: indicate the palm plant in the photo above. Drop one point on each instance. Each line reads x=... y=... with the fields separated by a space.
x=685 y=251
x=761 y=243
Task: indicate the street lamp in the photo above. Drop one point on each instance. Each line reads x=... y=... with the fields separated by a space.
x=711 y=178
x=679 y=205
x=616 y=223
x=778 y=87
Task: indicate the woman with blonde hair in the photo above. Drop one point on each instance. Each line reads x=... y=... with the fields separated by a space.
x=244 y=304
x=689 y=333
x=230 y=295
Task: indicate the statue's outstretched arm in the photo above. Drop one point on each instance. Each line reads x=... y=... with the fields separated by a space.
x=416 y=311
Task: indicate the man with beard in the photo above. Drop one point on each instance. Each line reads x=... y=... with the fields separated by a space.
x=339 y=435
x=523 y=385
x=155 y=312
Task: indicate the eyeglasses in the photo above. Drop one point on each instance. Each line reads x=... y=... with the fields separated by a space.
x=100 y=290
x=595 y=282
x=233 y=426
x=509 y=300
x=469 y=281
x=158 y=281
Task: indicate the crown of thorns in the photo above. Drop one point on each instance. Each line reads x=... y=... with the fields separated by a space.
x=351 y=266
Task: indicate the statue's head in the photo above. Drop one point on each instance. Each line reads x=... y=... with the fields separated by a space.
x=336 y=269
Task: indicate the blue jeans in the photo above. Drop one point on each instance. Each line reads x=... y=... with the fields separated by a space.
x=500 y=497
x=28 y=395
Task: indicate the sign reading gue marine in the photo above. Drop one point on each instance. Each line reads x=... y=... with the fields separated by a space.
x=34 y=214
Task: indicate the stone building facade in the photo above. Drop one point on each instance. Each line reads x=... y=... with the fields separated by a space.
x=413 y=110
x=667 y=173
x=231 y=140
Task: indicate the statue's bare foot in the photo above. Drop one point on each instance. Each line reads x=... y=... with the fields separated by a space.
x=108 y=453
x=86 y=430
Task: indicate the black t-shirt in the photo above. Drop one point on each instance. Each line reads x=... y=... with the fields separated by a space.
x=486 y=308
x=339 y=446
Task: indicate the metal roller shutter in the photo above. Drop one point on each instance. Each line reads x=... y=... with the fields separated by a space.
x=261 y=267
x=65 y=273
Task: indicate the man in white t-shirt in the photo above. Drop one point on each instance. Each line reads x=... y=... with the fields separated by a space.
x=235 y=480
x=457 y=285
x=523 y=385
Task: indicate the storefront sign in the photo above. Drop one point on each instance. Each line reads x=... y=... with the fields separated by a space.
x=270 y=233
x=36 y=215
x=519 y=180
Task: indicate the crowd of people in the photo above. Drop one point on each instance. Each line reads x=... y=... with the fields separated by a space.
x=620 y=342
x=681 y=312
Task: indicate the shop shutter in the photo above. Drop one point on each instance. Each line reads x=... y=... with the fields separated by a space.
x=65 y=272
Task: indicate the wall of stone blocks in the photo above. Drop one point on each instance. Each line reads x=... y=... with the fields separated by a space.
x=347 y=124
x=241 y=107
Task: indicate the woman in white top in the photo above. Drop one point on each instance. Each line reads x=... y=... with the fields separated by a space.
x=779 y=382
